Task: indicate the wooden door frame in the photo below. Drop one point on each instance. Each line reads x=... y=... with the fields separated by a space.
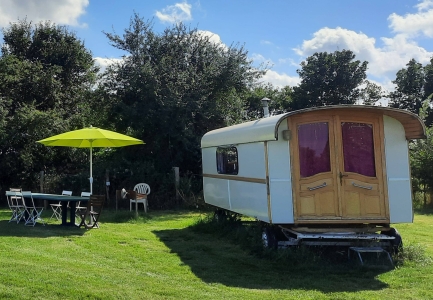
x=334 y=119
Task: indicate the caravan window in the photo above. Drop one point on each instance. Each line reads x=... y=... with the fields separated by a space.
x=314 y=157
x=227 y=160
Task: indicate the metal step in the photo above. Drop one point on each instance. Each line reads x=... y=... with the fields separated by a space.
x=359 y=250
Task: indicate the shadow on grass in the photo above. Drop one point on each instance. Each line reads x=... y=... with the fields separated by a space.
x=125 y=216
x=217 y=259
x=38 y=231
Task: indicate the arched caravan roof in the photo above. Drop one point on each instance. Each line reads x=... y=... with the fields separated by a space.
x=266 y=129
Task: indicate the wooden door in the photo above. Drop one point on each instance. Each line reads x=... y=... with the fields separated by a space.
x=337 y=167
x=315 y=178
x=360 y=170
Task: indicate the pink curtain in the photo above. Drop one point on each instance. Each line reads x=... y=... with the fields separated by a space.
x=358 y=148
x=313 y=142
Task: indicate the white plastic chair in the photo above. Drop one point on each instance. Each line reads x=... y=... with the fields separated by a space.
x=143 y=190
x=32 y=212
x=57 y=207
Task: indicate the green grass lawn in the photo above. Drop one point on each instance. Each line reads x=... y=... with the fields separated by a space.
x=166 y=255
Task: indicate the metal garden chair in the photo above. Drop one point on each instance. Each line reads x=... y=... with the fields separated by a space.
x=32 y=213
x=57 y=207
x=15 y=205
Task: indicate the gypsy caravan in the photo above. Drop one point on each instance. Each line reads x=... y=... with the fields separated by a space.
x=332 y=175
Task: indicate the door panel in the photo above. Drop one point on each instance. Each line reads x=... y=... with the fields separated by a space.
x=316 y=184
x=352 y=205
x=318 y=204
x=337 y=169
x=358 y=148
x=361 y=168
x=313 y=147
x=307 y=206
x=317 y=198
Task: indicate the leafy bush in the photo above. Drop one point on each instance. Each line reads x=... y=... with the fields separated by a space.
x=414 y=253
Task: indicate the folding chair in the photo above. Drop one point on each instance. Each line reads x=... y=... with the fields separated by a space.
x=92 y=211
x=79 y=208
x=57 y=207
x=15 y=206
x=32 y=213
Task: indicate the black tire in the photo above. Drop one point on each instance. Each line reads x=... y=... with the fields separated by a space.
x=220 y=215
x=397 y=242
x=269 y=238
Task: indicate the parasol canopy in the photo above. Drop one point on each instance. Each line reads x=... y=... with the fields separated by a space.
x=90 y=137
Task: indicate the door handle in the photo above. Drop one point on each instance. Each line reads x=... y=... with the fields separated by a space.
x=317 y=187
x=341 y=177
x=362 y=186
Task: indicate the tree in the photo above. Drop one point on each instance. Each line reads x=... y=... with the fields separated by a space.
x=414 y=84
x=428 y=80
x=414 y=92
x=371 y=93
x=281 y=100
x=170 y=89
x=329 y=78
x=46 y=76
x=421 y=161
x=57 y=64
x=409 y=83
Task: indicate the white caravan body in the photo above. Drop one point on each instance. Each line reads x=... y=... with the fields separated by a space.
x=345 y=164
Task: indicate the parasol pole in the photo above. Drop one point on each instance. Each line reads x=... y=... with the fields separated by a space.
x=91 y=179
x=91 y=176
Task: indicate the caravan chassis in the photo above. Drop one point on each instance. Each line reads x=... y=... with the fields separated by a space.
x=283 y=236
x=335 y=238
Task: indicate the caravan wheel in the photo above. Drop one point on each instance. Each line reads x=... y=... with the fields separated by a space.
x=397 y=242
x=269 y=238
x=220 y=215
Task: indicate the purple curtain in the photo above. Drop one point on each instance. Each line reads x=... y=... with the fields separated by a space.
x=313 y=142
x=358 y=148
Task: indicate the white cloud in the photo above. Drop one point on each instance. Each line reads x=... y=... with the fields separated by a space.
x=260 y=59
x=424 y=5
x=331 y=40
x=175 y=13
x=414 y=24
x=213 y=37
x=288 y=61
x=103 y=63
x=385 y=56
x=382 y=61
x=65 y=12
x=264 y=42
x=280 y=79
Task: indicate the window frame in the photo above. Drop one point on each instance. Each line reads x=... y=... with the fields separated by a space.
x=227 y=163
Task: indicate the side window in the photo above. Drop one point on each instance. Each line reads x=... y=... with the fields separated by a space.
x=227 y=160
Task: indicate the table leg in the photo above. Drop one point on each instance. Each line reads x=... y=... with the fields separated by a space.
x=73 y=206
x=64 y=213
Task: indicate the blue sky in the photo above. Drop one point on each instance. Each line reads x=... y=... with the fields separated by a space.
x=386 y=33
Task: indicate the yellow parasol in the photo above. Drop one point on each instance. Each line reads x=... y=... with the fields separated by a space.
x=91 y=137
